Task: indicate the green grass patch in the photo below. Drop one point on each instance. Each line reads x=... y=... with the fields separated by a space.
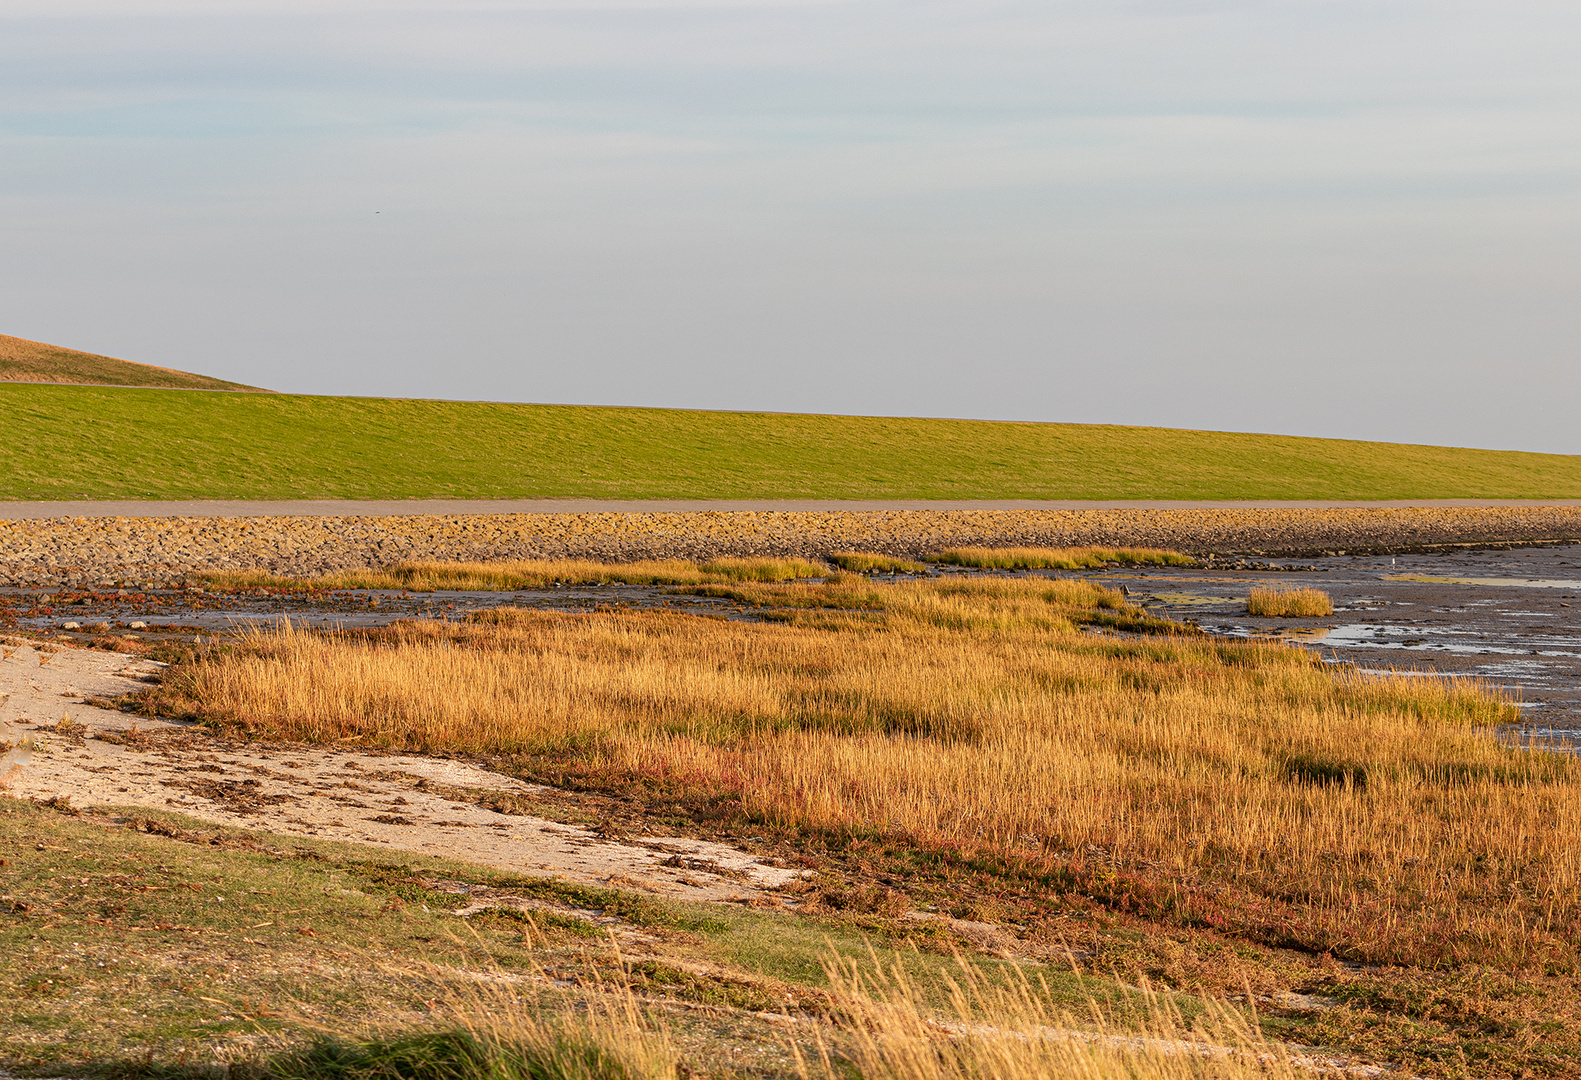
x=66 y=442
x=134 y=942
x=190 y=981
x=186 y=942
x=459 y=1054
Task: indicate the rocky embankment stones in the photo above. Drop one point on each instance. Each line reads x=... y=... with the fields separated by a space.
x=93 y=551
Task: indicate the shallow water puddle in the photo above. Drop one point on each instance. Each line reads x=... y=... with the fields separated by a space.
x=1206 y=578
x=1547 y=738
x=1490 y=582
x=1194 y=598
x=1426 y=639
x=1464 y=641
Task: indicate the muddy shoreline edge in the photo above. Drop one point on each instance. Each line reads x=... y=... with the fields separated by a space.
x=51 y=552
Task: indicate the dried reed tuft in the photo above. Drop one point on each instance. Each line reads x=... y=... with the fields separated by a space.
x=425 y=576
x=1083 y=558
x=867 y=562
x=1289 y=603
x=1003 y=1027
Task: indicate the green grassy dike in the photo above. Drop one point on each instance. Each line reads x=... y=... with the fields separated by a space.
x=22 y=360
x=82 y=442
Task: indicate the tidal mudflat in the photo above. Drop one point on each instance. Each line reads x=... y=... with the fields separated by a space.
x=1508 y=617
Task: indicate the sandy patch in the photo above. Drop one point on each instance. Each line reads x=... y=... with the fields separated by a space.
x=101 y=757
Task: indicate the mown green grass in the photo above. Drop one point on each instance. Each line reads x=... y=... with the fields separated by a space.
x=65 y=442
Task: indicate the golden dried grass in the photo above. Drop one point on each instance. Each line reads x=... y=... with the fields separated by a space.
x=1289 y=603
x=1003 y=1027
x=1081 y=558
x=1238 y=785
x=867 y=562
x=879 y=1025
x=428 y=575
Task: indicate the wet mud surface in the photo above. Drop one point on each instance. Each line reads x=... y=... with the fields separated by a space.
x=1510 y=617
x=189 y=614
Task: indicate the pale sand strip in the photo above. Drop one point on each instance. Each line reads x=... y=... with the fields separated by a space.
x=332 y=793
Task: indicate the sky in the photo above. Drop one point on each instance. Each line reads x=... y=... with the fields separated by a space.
x=1352 y=219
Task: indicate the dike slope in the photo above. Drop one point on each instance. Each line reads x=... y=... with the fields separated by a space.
x=27 y=361
x=101 y=442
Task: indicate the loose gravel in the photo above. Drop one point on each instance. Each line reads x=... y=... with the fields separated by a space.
x=51 y=552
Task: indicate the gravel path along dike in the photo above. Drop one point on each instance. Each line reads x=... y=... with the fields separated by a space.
x=52 y=552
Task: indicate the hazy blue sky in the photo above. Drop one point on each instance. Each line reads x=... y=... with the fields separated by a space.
x=1359 y=219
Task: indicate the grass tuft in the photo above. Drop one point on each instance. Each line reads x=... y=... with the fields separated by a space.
x=426 y=576
x=463 y=1055
x=1005 y=1028
x=1289 y=603
x=429 y=1055
x=867 y=562
x=1084 y=558
x=881 y=1026
x=501 y=1027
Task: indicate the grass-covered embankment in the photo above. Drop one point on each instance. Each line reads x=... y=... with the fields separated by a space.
x=22 y=360
x=83 y=442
